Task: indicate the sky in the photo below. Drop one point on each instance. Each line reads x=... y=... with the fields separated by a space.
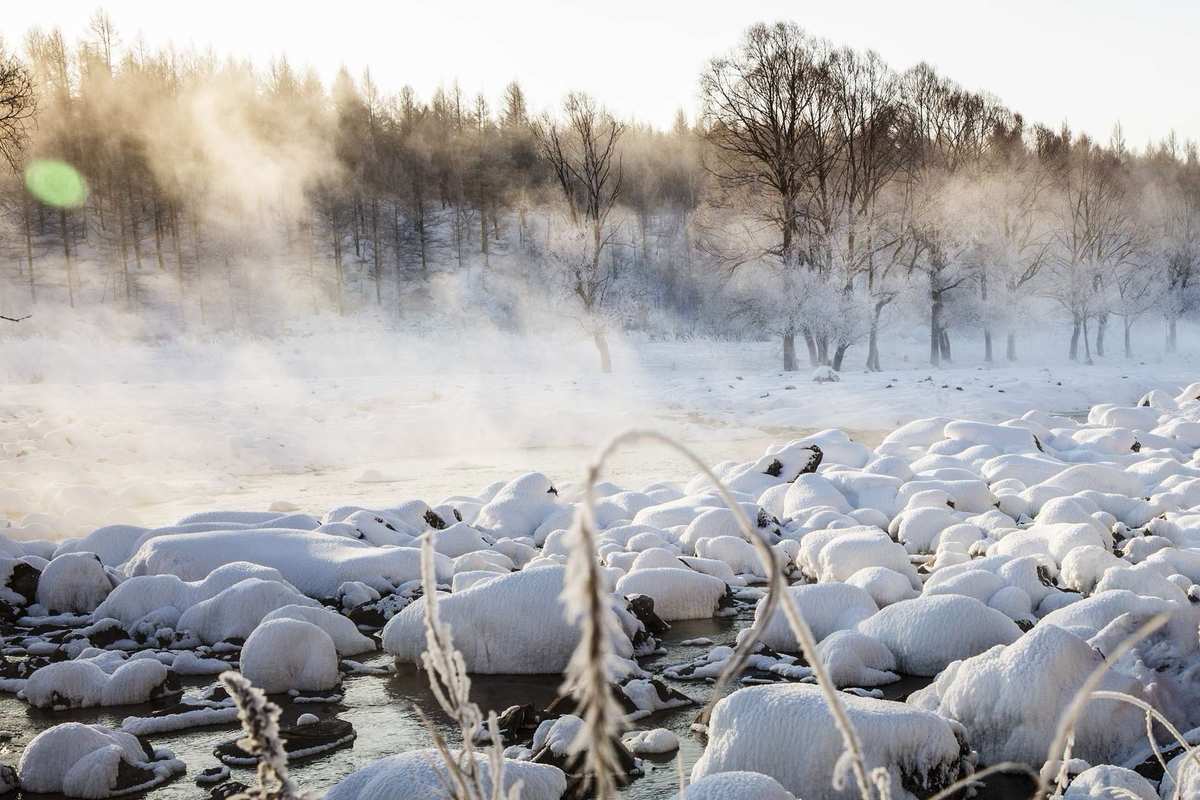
x=1090 y=63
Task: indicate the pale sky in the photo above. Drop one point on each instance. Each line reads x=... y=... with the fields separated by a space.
x=1089 y=62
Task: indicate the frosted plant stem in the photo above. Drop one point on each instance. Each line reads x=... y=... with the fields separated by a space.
x=260 y=722
x=777 y=594
x=1057 y=756
x=1151 y=711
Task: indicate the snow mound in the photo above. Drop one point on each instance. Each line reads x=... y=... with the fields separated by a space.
x=1010 y=699
x=512 y=624
x=755 y=730
x=315 y=563
x=90 y=761
x=234 y=612
x=421 y=775
x=929 y=632
x=678 y=593
x=83 y=684
x=344 y=633
x=74 y=583
x=652 y=742
x=1107 y=782
x=285 y=654
x=737 y=786
x=826 y=607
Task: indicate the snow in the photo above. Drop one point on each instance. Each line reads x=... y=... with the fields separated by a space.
x=82 y=684
x=652 y=742
x=287 y=653
x=234 y=612
x=826 y=607
x=74 y=583
x=927 y=633
x=344 y=633
x=82 y=761
x=314 y=563
x=421 y=775
x=1106 y=782
x=513 y=624
x=678 y=593
x=1010 y=698
x=754 y=729
x=737 y=784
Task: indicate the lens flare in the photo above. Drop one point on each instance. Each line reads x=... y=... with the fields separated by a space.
x=56 y=183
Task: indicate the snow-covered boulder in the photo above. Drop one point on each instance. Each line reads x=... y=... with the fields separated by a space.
x=519 y=507
x=166 y=597
x=678 y=593
x=285 y=654
x=854 y=659
x=739 y=785
x=826 y=607
x=315 y=563
x=1010 y=700
x=755 y=730
x=234 y=612
x=91 y=761
x=512 y=624
x=1106 y=782
x=74 y=583
x=83 y=684
x=344 y=633
x=929 y=632
x=422 y=775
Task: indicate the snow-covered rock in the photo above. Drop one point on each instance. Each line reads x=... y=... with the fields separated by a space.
x=74 y=583
x=1010 y=700
x=91 y=761
x=285 y=654
x=344 y=633
x=422 y=775
x=513 y=624
x=755 y=730
x=927 y=633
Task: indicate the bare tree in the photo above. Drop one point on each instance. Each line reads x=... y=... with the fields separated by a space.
x=581 y=149
x=17 y=107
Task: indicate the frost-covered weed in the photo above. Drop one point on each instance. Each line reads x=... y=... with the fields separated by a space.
x=260 y=722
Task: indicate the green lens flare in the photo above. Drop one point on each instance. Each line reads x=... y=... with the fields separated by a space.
x=56 y=183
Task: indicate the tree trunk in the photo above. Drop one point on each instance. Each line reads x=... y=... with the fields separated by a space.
x=1087 y=346
x=1101 y=326
x=29 y=253
x=987 y=345
x=601 y=339
x=839 y=355
x=66 y=237
x=1076 y=326
x=789 y=352
x=944 y=344
x=935 y=330
x=1128 y=338
x=811 y=344
x=1172 y=338
x=1011 y=347
x=375 y=251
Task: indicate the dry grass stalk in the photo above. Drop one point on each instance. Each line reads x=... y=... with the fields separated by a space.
x=260 y=722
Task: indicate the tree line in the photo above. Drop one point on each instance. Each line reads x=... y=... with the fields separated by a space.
x=820 y=197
